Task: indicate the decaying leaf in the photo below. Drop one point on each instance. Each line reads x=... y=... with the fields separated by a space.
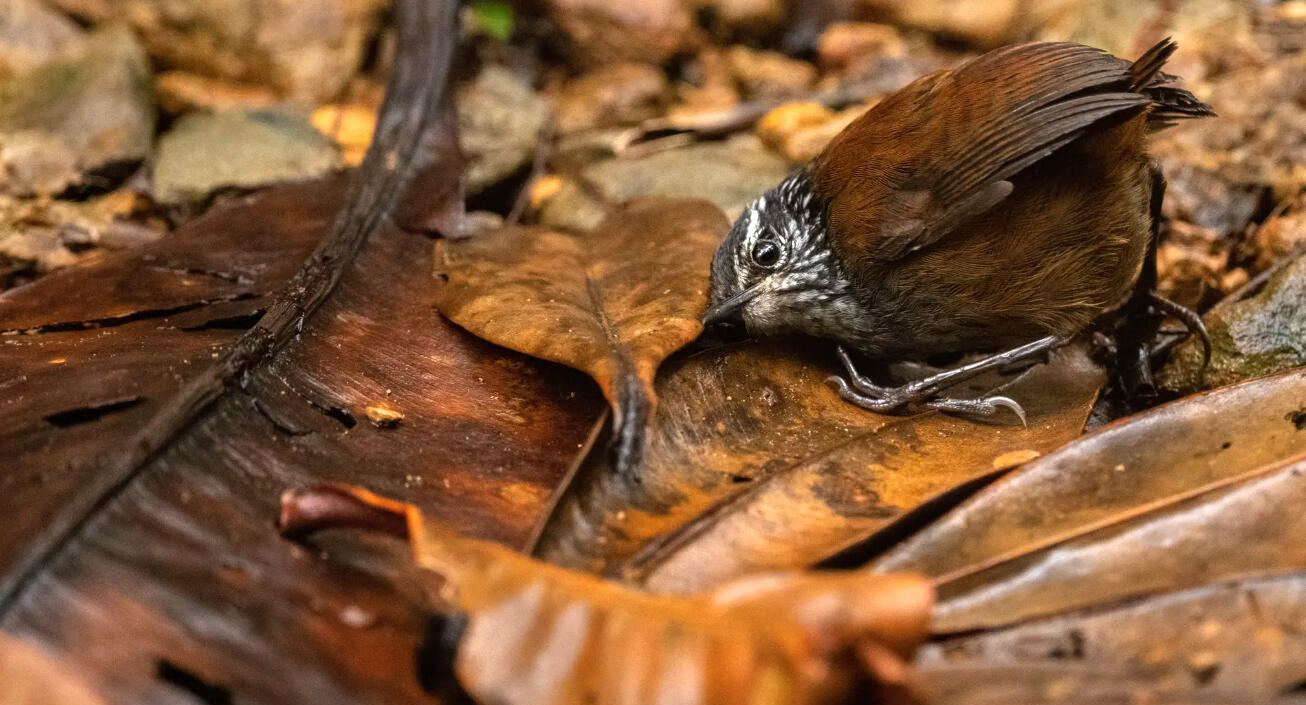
x=613 y=302
x=150 y=409
x=29 y=677
x=1241 y=636
x=1189 y=493
x=808 y=473
x=538 y=634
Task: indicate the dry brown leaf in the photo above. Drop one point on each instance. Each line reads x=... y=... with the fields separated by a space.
x=1192 y=492
x=614 y=302
x=1240 y=637
x=29 y=677
x=539 y=634
x=758 y=464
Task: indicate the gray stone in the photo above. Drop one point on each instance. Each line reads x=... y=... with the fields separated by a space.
x=730 y=174
x=1255 y=337
x=32 y=34
x=499 y=123
x=81 y=112
x=243 y=149
x=307 y=49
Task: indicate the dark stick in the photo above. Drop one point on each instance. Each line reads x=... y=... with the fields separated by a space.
x=414 y=106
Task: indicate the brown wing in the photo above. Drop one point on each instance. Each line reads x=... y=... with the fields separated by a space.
x=941 y=150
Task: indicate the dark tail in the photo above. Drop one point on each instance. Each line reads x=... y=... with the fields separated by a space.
x=1170 y=103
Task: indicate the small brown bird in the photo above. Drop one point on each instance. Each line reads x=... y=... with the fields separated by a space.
x=1007 y=202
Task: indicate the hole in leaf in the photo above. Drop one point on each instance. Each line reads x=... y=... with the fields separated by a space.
x=435 y=658
x=87 y=414
x=240 y=322
x=345 y=418
x=206 y=692
x=1298 y=419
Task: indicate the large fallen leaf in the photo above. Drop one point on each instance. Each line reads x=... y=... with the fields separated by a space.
x=1245 y=636
x=29 y=677
x=1188 y=493
x=614 y=302
x=538 y=634
x=1067 y=681
x=153 y=402
x=808 y=472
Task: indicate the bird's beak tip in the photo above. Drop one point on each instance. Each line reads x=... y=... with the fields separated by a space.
x=723 y=310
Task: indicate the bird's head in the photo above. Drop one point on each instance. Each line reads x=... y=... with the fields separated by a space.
x=776 y=272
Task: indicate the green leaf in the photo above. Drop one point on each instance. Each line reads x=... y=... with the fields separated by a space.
x=493 y=18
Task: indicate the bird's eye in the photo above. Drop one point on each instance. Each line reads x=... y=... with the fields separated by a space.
x=766 y=253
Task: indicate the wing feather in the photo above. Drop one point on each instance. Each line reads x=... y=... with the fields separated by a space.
x=943 y=149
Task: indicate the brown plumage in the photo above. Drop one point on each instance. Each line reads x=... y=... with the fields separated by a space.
x=994 y=202
x=1004 y=200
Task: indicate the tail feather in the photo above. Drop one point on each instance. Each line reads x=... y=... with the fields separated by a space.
x=1147 y=69
x=1170 y=103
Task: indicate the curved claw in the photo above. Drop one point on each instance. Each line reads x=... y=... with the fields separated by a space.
x=1191 y=320
x=987 y=406
x=1012 y=404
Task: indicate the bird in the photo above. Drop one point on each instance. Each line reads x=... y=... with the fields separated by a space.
x=1006 y=204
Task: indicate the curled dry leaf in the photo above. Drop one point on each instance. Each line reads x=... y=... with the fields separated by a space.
x=539 y=634
x=757 y=464
x=1196 y=491
x=613 y=302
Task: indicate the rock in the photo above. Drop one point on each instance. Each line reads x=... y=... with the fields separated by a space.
x=730 y=174
x=500 y=118
x=848 y=44
x=237 y=149
x=479 y=222
x=85 y=111
x=710 y=87
x=616 y=94
x=31 y=34
x=306 y=49
x=984 y=23
x=768 y=74
x=603 y=31
x=743 y=18
x=182 y=91
x=1251 y=338
x=800 y=131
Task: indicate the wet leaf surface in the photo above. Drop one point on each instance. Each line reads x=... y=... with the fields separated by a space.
x=156 y=415
x=614 y=302
x=537 y=633
x=808 y=473
x=1150 y=503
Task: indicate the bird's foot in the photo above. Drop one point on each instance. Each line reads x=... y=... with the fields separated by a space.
x=860 y=390
x=892 y=399
x=1191 y=320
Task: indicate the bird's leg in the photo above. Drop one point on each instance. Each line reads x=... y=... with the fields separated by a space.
x=859 y=390
x=1144 y=312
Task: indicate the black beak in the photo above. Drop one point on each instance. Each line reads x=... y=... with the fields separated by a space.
x=727 y=309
